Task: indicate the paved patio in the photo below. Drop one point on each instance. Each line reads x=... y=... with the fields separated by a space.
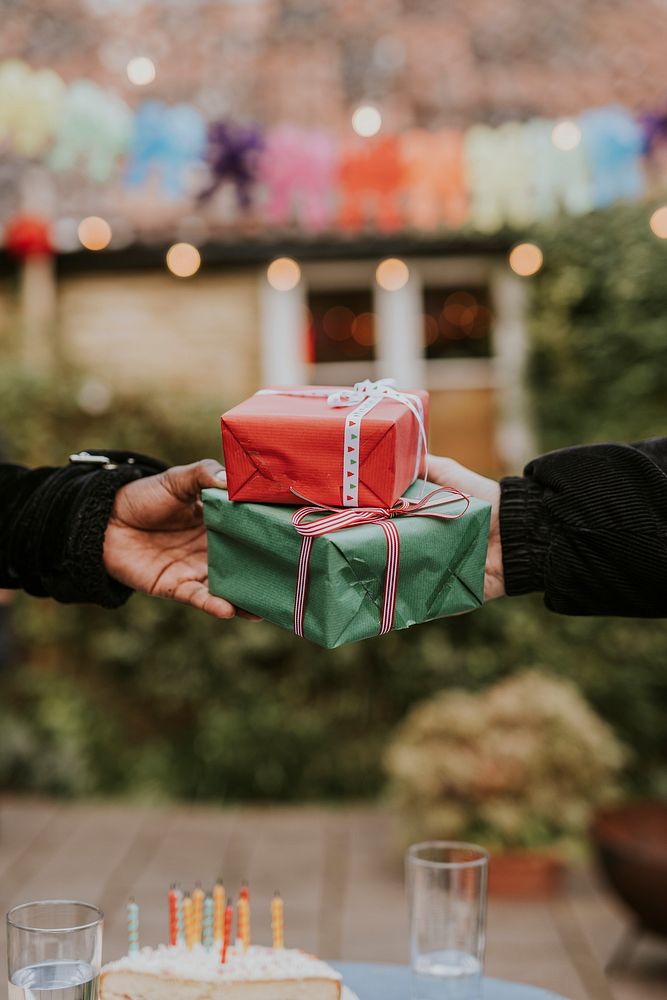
x=336 y=868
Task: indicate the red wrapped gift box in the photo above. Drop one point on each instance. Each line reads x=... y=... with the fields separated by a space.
x=281 y=446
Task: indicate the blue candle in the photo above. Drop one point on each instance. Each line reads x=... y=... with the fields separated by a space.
x=132 y=927
x=207 y=928
x=180 y=920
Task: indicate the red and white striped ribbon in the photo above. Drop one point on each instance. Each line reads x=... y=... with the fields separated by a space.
x=390 y=575
x=338 y=519
x=302 y=583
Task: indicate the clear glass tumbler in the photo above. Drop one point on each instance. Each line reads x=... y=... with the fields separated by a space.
x=54 y=950
x=447 y=902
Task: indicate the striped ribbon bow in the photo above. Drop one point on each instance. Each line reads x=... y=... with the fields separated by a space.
x=337 y=519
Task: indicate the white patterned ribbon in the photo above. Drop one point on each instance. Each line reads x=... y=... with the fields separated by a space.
x=363 y=396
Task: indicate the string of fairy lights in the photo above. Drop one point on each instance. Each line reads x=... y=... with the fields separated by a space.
x=283 y=274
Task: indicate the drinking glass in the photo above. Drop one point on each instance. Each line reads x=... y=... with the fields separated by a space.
x=54 y=950
x=447 y=902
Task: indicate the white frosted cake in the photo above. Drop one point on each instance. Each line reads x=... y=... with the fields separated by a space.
x=258 y=973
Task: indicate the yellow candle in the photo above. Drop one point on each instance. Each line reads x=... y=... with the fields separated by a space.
x=243 y=922
x=198 y=897
x=277 y=921
x=218 y=911
x=188 y=922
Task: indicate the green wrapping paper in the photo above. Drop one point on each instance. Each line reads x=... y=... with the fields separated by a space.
x=253 y=553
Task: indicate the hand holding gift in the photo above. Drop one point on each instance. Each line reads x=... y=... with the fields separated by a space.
x=155 y=540
x=105 y=524
x=445 y=471
x=586 y=526
x=369 y=552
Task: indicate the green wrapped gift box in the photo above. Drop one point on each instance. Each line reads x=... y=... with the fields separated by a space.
x=253 y=556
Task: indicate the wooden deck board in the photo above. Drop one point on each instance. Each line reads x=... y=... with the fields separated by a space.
x=337 y=868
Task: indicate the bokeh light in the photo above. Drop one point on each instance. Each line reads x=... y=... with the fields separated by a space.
x=431 y=329
x=141 y=71
x=337 y=322
x=658 y=222
x=526 y=259
x=566 y=135
x=363 y=329
x=94 y=233
x=460 y=309
x=183 y=260
x=450 y=330
x=94 y=397
x=283 y=274
x=392 y=274
x=481 y=324
x=367 y=121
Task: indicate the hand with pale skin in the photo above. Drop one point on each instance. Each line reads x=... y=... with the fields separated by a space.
x=155 y=541
x=447 y=472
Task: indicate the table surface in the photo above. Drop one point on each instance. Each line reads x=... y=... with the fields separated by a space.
x=392 y=982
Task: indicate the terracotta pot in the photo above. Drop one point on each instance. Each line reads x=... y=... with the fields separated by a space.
x=631 y=842
x=525 y=875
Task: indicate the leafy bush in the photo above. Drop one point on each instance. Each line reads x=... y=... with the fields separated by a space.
x=599 y=330
x=156 y=699
x=521 y=764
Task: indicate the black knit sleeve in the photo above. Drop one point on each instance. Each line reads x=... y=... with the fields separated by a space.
x=52 y=525
x=588 y=527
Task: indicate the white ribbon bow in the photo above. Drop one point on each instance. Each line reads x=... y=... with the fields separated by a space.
x=360 y=390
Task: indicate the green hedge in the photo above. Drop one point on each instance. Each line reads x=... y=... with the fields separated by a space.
x=156 y=699
x=599 y=330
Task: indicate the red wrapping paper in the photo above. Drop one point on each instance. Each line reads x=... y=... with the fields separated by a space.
x=276 y=444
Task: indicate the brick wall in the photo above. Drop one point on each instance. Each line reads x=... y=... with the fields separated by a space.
x=151 y=329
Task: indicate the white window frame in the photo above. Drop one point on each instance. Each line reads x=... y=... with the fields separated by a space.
x=399 y=350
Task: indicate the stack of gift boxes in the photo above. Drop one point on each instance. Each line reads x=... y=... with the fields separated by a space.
x=326 y=527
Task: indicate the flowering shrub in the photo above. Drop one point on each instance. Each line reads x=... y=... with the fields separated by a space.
x=518 y=765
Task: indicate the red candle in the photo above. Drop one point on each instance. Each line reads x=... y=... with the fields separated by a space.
x=229 y=917
x=173 y=916
x=244 y=892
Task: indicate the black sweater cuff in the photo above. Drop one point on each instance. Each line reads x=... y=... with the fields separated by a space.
x=588 y=527
x=523 y=536
x=54 y=527
x=79 y=575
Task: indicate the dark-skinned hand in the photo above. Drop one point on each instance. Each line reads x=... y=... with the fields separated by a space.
x=155 y=541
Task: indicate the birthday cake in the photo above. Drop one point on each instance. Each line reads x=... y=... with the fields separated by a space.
x=206 y=960
x=179 y=973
